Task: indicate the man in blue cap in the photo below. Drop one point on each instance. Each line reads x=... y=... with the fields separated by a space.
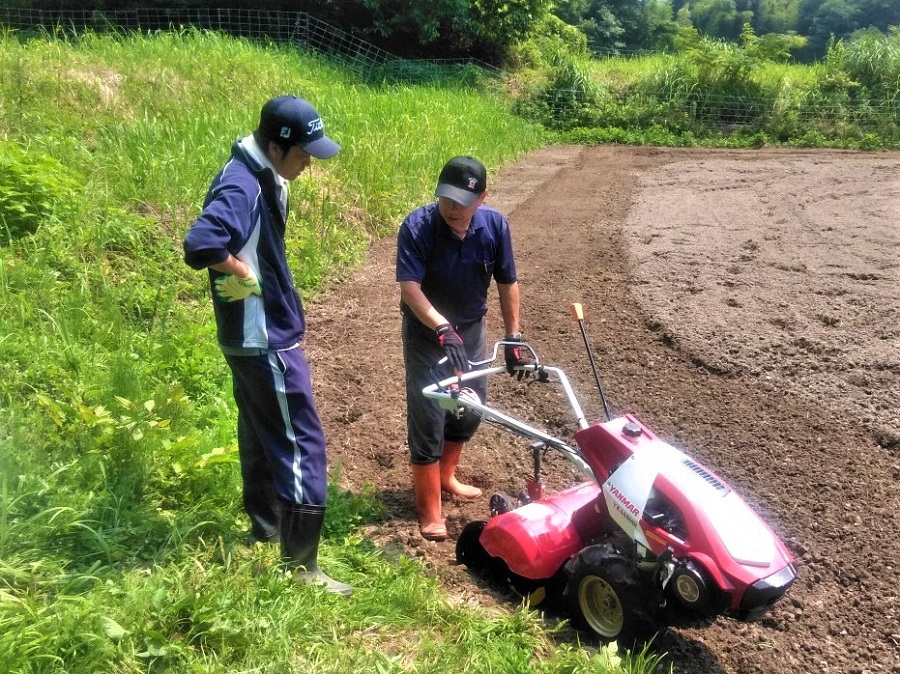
x=448 y=252
x=239 y=239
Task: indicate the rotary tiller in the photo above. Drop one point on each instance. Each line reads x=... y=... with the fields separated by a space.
x=653 y=538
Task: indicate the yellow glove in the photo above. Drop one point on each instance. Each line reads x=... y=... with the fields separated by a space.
x=231 y=288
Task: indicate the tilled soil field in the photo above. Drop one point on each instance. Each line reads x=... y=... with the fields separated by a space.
x=745 y=305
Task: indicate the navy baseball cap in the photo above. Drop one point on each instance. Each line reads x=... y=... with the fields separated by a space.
x=462 y=179
x=294 y=120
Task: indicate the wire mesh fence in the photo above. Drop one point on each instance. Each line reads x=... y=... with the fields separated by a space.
x=298 y=28
x=788 y=112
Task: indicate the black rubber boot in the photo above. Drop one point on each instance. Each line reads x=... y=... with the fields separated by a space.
x=264 y=517
x=261 y=502
x=301 y=528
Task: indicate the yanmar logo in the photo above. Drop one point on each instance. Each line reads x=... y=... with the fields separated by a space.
x=623 y=500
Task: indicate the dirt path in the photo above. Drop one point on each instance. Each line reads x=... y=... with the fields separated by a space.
x=745 y=306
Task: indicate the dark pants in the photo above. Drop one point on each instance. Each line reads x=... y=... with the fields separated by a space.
x=280 y=438
x=427 y=424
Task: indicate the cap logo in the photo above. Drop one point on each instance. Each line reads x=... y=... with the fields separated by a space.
x=285 y=132
x=315 y=125
x=472 y=183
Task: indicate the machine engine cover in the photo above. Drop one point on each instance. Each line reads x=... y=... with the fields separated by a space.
x=667 y=502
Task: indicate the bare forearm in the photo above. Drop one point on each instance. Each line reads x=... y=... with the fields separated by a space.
x=413 y=297
x=509 y=306
x=232 y=266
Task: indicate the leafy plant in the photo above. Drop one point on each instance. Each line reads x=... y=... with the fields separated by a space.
x=34 y=188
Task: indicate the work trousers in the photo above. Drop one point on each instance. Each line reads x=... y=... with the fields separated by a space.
x=427 y=424
x=280 y=438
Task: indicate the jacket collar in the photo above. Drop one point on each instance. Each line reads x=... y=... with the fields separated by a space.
x=250 y=153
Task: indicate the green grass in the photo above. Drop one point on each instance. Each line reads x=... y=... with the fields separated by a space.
x=120 y=518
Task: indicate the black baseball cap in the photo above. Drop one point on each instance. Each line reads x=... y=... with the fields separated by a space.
x=462 y=179
x=294 y=120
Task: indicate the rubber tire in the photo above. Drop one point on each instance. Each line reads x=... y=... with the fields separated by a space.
x=469 y=550
x=715 y=601
x=607 y=599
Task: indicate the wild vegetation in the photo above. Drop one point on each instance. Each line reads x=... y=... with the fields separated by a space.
x=717 y=93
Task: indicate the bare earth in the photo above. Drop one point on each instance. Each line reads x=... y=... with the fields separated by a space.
x=744 y=305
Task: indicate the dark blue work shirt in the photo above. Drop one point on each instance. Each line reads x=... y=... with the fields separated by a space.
x=454 y=273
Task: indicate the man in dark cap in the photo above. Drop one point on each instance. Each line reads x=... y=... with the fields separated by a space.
x=239 y=239
x=447 y=254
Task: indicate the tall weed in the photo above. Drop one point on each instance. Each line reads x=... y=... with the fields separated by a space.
x=872 y=61
x=712 y=92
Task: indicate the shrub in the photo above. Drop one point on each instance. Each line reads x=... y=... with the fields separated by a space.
x=551 y=37
x=34 y=188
